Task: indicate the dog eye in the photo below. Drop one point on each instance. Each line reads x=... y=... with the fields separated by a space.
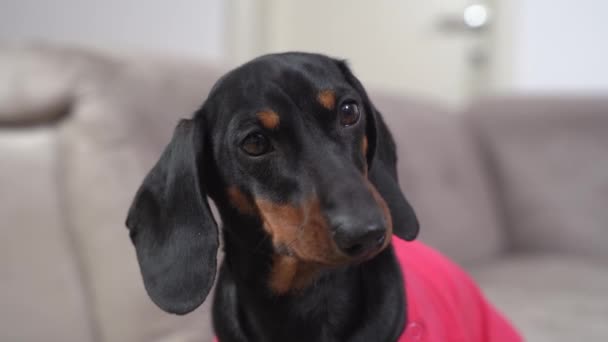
x=349 y=114
x=256 y=144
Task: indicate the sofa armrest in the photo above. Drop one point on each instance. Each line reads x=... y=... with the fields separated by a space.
x=105 y=121
x=37 y=85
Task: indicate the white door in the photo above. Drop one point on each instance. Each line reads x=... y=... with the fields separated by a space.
x=416 y=47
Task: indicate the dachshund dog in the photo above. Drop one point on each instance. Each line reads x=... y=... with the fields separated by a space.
x=302 y=169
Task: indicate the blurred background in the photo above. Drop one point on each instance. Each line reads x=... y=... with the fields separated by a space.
x=499 y=108
x=448 y=49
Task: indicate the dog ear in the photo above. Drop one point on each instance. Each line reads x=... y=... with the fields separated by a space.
x=172 y=228
x=383 y=174
x=382 y=164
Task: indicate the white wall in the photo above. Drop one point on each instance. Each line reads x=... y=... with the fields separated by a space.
x=181 y=27
x=541 y=45
x=552 y=45
x=392 y=45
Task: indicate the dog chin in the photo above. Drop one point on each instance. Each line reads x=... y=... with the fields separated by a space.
x=372 y=254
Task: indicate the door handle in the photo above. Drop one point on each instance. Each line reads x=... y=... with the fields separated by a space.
x=475 y=18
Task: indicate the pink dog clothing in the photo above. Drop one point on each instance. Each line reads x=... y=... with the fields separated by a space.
x=443 y=303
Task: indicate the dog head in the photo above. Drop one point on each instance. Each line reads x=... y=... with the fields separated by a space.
x=290 y=142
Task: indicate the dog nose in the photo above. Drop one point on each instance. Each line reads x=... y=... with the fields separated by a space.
x=359 y=239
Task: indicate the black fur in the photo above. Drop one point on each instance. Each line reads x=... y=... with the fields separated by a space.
x=176 y=236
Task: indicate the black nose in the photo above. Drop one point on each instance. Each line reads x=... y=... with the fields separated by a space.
x=359 y=239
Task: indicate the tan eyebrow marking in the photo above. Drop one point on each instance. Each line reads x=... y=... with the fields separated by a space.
x=269 y=119
x=327 y=99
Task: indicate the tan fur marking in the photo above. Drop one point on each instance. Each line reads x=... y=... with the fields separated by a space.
x=289 y=273
x=269 y=119
x=302 y=239
x=364 y=147
x=327 y=99
x=304 y=233
x=283 y=272
x=240 y=201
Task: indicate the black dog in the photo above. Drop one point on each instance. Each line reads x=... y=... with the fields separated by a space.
x=303 y=171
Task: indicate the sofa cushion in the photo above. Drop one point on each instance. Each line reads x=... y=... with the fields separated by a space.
x=42 y=294
x=549 y=159
x=550 y=297
x=443 y=178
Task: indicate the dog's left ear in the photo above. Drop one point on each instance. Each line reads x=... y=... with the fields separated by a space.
x=382 y=164
x=171 y=225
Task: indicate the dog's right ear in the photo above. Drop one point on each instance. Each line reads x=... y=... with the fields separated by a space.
x=172 y=228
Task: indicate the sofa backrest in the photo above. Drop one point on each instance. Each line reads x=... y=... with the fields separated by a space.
x=548 y=157
x=443 y=177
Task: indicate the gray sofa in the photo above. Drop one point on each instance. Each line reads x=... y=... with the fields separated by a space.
x=513 y=188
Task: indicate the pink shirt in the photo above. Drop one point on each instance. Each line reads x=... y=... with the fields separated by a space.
x=443 y=303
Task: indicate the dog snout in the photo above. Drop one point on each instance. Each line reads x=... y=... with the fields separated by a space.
x=356 y=238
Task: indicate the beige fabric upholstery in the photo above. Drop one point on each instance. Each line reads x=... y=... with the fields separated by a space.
x=121 y=114
x=42 y=297
x=37 y=87
x=550 y=159
x=442 y=176
x=118 y=127
x=551 y=297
